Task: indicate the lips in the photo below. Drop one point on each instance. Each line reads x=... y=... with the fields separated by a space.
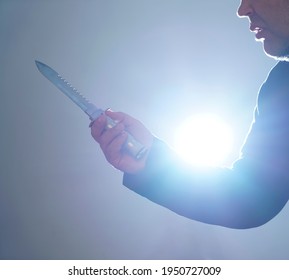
x=258 y=30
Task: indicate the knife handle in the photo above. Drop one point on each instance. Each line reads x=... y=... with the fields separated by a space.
x=131 y=145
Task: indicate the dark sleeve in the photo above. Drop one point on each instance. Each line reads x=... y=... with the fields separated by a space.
x=247 y=195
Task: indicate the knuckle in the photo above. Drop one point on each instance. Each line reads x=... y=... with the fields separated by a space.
x=96 y=134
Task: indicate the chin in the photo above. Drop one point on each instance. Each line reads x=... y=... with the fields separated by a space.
x=283 y=58
x=276 y=52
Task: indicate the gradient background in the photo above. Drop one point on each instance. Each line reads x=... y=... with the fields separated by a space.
x=158 y=60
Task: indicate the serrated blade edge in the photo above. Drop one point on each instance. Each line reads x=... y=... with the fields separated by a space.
x=66 y=88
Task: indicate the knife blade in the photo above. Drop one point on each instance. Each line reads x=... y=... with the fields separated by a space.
x=132 y=146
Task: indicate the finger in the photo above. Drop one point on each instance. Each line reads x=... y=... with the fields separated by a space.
x=114 y=151
x=121 y=117
x=98 y=127
x=106 y=138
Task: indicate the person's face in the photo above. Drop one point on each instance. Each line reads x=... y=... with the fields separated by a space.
x=269 y=19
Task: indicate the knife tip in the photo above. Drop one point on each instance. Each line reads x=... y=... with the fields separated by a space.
x=38 y=63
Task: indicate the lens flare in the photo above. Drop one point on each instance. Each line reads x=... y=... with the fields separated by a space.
x=203 y=140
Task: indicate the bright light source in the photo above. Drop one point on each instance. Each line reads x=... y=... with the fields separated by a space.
x=203 y=140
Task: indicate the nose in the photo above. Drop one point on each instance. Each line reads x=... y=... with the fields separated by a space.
x=245 y=8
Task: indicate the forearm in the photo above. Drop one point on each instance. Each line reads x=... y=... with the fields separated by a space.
x=227 y=197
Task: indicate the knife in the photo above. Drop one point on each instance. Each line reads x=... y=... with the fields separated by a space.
x=131 y=146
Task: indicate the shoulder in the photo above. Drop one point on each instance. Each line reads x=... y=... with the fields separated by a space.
x=279 y=74
x=275 y=89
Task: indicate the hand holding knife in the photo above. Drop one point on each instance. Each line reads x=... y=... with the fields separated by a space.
x=131 y=146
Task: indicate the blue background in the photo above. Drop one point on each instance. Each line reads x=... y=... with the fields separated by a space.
x=158 y=60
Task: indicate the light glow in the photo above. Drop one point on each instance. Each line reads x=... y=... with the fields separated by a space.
x=203 y=140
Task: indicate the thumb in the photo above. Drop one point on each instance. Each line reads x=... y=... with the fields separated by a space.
x=121 y=117
x=118 y=116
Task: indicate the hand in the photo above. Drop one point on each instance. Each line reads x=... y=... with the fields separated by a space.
x=111 y=140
